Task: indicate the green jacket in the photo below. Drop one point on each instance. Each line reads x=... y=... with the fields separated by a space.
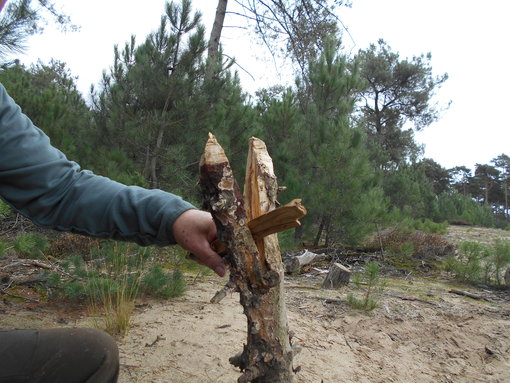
x=43 y=185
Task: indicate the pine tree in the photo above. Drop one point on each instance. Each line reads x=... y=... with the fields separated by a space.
x=145 y=99
x=323 y=155
x=157 y=106
x=48 y=95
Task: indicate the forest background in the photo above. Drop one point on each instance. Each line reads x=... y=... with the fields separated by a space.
x=342 y=138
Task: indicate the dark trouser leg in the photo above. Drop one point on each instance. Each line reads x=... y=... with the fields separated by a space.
x=58 y=356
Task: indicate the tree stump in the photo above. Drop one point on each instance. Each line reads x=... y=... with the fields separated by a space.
x=338 y=276
x=255 y=264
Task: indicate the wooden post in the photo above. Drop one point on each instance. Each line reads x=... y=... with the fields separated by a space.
x=255 y=265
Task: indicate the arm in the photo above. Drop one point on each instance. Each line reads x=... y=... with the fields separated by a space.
x=39 y=182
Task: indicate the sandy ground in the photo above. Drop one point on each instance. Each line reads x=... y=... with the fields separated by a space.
x=441 y=337
x=420 y=332
x=449 y=339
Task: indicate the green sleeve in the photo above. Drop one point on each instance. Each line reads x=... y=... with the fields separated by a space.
x=42 y=184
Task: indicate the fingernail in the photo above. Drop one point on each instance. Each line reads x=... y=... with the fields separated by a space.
x=220 y=270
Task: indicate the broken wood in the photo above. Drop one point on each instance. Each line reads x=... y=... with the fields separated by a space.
x=338 y=276
x=296 y=263
x=255 y=264
x=228 y=288
x=275 y=221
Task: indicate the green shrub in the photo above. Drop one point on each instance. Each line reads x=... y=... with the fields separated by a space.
x=479 y=263
x=74 y=290
x=370 y=280
x=5 y=210
x=452 y=205
x=500 y=257
x=114 y=277
x=161 y=284
x=431 y=227
x=470 y=266
x=4 y=247
x=361 y=304
x=404 y=249
x=31 y=245
x=450 y=264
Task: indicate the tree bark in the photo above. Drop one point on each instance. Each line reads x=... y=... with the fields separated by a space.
x=214 y=39
x=338 y=276
x=318 y=236
x=154 y=159
x=255 y=266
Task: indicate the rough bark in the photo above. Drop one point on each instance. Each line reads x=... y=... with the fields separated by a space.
x=338 y=276
x=214 y=39
x=255 y=268
x=283 y=218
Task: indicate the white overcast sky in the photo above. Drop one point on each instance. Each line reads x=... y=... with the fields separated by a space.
x=468 y=39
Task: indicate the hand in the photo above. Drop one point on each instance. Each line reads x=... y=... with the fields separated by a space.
x=194 y=230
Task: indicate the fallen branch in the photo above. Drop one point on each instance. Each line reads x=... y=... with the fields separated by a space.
x=295 y=264
x=229 y=287
x=4 y=291
x=332 y=301
x=27 y=262
x=469 y=295
x=20 y=297
x=158 y=338
x=410 y=298
x=29 y=279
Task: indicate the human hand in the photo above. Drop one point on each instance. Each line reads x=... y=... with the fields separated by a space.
x=194 y=230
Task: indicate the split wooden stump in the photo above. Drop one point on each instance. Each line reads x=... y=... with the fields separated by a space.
x=246 y=230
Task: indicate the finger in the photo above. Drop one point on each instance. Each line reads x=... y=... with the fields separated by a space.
x=209 y=258
x=214 y=262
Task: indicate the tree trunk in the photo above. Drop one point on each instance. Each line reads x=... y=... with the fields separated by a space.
x=327 y=228
x=317 y=240
x=295 y=264
x=154 y=159
x=214 y=39
x=255 y=266
x=505 y=185
x=298 y=234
